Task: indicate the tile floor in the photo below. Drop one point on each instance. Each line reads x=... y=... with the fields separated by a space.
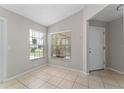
x=50 y=77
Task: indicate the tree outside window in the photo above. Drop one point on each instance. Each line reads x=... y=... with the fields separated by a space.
x=61 y=45
x=36 y=48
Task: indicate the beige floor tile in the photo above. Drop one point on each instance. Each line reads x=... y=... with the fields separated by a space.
x=79 y=86
x=47 y=70
x=47 y=86
x=66 y=84
x=17 y=86
x=44 y=68
x=8 y=84
x=23 y=76
x=106 y=75
x=45 y=77
x=36 y=84
x=118 y=76
x=27 y=80
x=51 y=77
x=120 y=80
x=110 y=81
x=95 y=73
x=83 y=81
x=61 y=74
x=55 y=81
x=82 y=75
x=121 y=83
x=54 y=72
x=64 y=71
x=109 y=86
x=40 y=74
x=70 y=77
x=96 y=84
x=96 y=78
x=41 y=70
x=74 y=72
x=36 y=73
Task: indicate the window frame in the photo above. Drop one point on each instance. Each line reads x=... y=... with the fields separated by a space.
x=35 y=30
x=52 y=46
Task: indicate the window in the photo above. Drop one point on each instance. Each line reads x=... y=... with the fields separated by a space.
x=36 y=48
x=61 y=45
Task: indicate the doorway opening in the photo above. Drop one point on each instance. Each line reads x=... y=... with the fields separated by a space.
x=107 y=52
x=3 y=49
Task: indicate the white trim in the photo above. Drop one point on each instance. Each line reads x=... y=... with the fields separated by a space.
x=77 y=70
x=64 y=67
x=86 y=73
x=4 y=48
x=112 y=69
x=44 y=44
x=20 y=74
x=49 y=46
x=60 y=31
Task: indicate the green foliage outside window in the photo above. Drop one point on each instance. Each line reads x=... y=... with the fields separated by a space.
x=61 y=45
x=36 y=48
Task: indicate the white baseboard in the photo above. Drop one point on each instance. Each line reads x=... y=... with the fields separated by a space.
x=86 y=73
x=115 y=70
x=64 y=67
x=77 y=70
x=20 y=74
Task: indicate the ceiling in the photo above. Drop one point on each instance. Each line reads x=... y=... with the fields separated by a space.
x=45 y=14
x=109 y=13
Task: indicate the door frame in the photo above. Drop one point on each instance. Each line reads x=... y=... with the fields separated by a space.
x=88 y=45
x=3 y=47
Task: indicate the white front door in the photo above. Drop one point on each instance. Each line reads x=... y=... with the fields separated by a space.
x=96 y=51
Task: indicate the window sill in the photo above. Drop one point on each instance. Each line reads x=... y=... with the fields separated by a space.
x=36 y=59
x=61 y=59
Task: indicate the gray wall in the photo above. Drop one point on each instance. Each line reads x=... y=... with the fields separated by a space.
x=18 y=28
x=75 y=24
x=116 y=45
x=98 y=23
x=78 y=24
x=17 y=34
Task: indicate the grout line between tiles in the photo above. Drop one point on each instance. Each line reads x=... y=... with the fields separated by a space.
x=23 y=84
x=100 y=74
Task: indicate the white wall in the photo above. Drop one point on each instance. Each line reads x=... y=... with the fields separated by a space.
x=17 y=34
x=75 y=24
x=116 y=45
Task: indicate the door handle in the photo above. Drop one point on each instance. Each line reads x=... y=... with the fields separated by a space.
x=89 y=51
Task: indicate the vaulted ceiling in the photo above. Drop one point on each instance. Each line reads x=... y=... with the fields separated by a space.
x=45 y=14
